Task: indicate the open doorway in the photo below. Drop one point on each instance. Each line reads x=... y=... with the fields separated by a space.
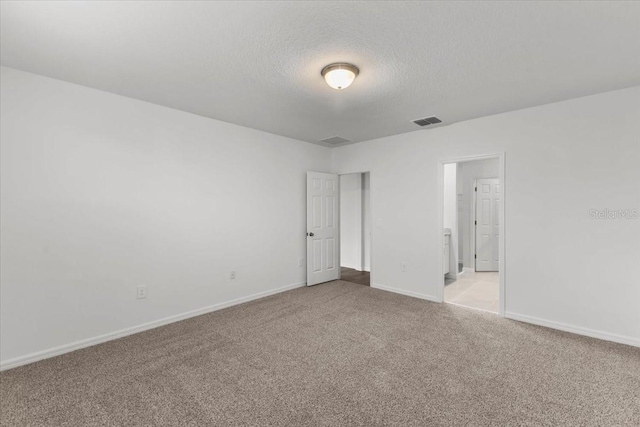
x=355 y=228
x=473 y=233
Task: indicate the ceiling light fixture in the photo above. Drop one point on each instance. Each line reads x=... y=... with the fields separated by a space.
x=339 y=75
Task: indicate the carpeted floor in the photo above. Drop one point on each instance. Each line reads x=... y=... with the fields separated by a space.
x=335 y=354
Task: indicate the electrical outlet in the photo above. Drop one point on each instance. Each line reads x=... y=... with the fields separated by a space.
x=403 y=265
x=141 y=292
x=301 y=262
x=232 y=275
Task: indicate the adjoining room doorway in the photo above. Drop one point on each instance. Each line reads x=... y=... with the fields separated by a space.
x=355 y=228
x=471 y=209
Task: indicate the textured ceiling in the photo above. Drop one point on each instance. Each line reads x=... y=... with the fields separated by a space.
x=257 y=64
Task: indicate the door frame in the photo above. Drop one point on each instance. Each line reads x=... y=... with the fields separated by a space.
x=502 y=287
x=371 y=228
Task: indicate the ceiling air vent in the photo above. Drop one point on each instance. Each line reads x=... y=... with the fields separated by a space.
x=335 y=140
x=427 y=121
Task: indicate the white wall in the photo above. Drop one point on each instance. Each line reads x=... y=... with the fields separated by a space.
x=102 y=193
x=469 y=172
x=563 y=268
x=450 y=216
x=351 y=221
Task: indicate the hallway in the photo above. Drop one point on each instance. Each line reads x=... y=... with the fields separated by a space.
x=355 y=276
x=474 y=289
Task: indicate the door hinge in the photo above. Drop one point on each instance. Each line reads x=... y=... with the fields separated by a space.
x=475 y=222
x=475 y=257
x=475 y=188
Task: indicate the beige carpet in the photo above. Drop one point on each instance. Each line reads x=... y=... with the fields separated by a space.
x=333 y=355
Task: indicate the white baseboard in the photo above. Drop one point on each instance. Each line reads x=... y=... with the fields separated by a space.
x=574 y=329
x=407 y=293
x=66 y=348
x=472 y=308
x=529 y=319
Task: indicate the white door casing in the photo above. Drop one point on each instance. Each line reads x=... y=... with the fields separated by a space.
x=323 y=228
x=487 y=224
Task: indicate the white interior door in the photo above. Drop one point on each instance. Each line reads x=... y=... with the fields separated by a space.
x=323 y=228
x=487 y=224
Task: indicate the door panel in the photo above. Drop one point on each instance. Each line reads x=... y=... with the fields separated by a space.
x=487 y=224
x=317 y=212
x=323 y=251
x=330 y=211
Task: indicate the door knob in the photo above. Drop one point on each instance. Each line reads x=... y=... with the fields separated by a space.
x=310 y=234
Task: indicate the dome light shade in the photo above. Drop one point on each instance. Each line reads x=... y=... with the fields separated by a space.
x=339 y=75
